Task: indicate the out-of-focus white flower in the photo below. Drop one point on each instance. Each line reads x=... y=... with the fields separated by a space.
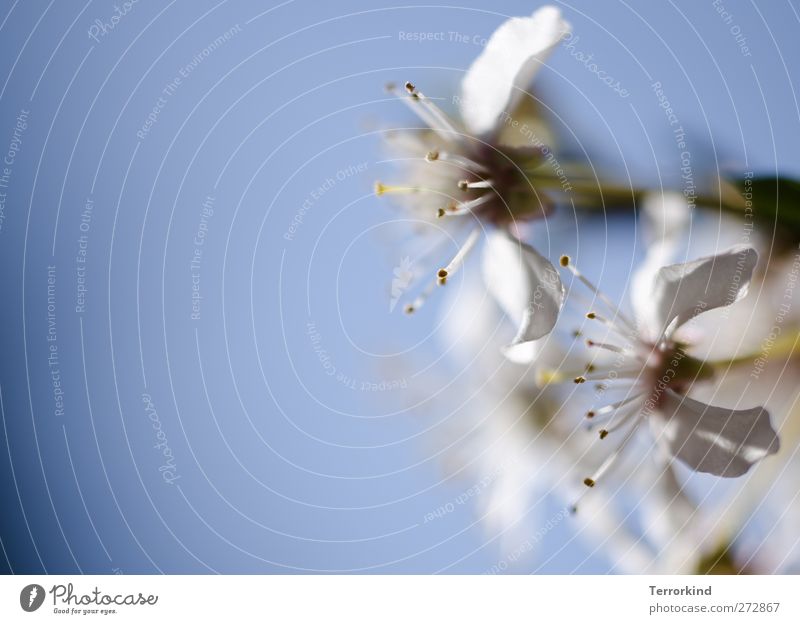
x=463 y=170
x=654 y=362
x=517 y=447
x=753 y=341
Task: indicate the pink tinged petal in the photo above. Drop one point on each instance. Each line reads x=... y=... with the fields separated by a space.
x=507 y=64
x=682 y=291
x=720 y=441
x=527 y=287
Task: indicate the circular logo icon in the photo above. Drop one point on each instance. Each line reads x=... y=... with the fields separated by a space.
x=31 y=597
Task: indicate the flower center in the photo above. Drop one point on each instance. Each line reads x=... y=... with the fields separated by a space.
x=483 y=180
x=669 y=366
x=510 y=192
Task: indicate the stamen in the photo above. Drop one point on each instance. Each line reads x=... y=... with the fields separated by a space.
x=381 y=189
x=448 y=209
x=436 y=113
x=461 y=161
x=623 y=420
x=590 y=482
x=612 y=407
x=422 y=112
x=458 y=259
x=546 y=376
x=611 y=459
x=606 y=346
x=566 y=263
x=469 y=206
x=619 y=419
x=478 y=184
x=623 y=332
x=611 y=374
x=427 y=251
x=420 y=300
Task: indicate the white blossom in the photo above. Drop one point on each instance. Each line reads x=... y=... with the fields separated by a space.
x=653 y=366
x=462 y=170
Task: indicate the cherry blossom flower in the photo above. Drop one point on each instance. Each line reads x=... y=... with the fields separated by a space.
x=464 y=171
x=653 y=366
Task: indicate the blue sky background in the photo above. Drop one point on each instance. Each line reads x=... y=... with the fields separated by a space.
x=278 y=465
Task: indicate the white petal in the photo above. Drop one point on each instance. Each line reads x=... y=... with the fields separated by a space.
x=507 y=64
x=522 y=352
x=666 y=217
x=682 y=291
x=527 y=287
x=717 y=440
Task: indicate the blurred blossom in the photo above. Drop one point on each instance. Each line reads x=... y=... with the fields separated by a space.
x=520 y=445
